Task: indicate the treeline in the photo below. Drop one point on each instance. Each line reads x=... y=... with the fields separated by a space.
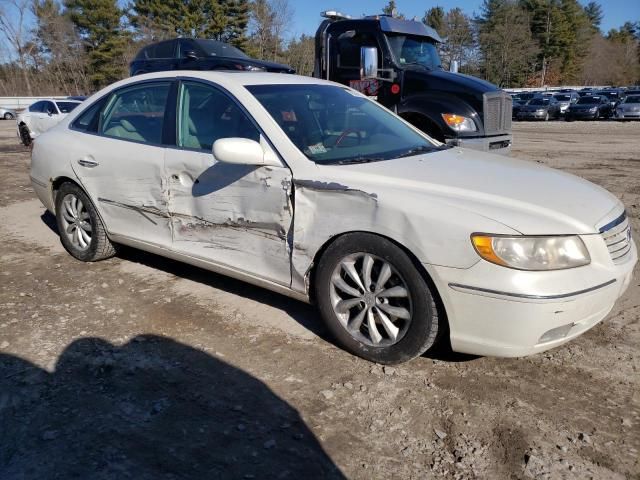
x=78 y=46
x=516 y=43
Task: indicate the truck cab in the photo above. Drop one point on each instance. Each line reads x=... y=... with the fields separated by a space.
x=396 y=61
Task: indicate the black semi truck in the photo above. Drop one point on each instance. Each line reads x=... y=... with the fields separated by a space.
x=397 y=62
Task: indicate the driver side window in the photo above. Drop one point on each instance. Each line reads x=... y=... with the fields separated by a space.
x=206 y=114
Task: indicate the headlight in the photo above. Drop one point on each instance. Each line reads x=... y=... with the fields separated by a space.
x=459 y=123
x=593 y=109
x=532 y=253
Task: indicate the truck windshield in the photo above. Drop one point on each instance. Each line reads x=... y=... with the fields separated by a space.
x=335 y=125
x=413 y=50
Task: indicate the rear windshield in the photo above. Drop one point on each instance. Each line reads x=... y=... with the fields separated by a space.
x=609 y=94
x=587 y=100
x=220 y=49
x=563 y=98
x=66 y=107
x=633 y=99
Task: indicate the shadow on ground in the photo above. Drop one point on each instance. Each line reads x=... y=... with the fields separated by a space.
x=151 y=409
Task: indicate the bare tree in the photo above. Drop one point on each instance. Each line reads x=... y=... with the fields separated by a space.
x=13 y=25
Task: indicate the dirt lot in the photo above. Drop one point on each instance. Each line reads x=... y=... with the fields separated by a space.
x=140 y=367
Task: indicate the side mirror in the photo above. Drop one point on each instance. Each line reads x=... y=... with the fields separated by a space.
x=368 y=63
x=242 y=151
x=190 y=54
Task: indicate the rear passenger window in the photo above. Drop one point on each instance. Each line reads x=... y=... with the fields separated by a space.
x=206 y=114
x=136 y=113
x=163 y=50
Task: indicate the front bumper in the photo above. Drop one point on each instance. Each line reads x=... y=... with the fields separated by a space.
x=500 y=144
x=627 y=115
x=532 y=115
x=503 y=312
x=581 y=115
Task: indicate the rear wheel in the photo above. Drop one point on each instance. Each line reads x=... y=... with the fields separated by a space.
x=81 y=230
x=374 y=300
x=8 y=116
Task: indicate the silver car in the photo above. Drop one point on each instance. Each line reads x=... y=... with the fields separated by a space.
x=628 y=109
x=7 y=113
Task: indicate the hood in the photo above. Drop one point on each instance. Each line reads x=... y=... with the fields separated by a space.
x=453 y=82
x=525 y=196
x=533 y=108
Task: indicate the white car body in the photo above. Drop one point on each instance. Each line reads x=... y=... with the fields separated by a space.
x=430 y=204
x=38 y=122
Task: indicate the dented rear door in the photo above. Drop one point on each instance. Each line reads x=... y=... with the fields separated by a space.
x=236 y=216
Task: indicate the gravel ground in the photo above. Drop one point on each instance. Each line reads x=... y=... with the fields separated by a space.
x=141 y=367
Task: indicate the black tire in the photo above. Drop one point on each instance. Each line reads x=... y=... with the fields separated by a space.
x=424 y=325
x=8 y=116
x=25 y=136
x=100 y=247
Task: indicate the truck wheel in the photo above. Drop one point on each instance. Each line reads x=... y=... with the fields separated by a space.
x=81 y=230
x=374 y=301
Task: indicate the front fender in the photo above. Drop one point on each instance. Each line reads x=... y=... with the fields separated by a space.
x=436 y=232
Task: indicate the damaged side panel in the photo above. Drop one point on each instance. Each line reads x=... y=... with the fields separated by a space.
x=235 y=215
x=127 y=185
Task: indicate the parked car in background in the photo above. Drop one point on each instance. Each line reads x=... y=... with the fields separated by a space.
x=590 y=107
x=632 y=91
x=7 y=113
x=41 y=116
x=521 y=99
x=629 y=108
x=565 y=99
x=313 y=190
x=541 y=108
x=198 y=54
x=614 y=96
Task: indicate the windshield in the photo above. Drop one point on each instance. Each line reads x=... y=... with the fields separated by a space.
x=335 y=125
x=220 y=49
x=539 y=101
x=588 y=100
x=634 y=99
x=66 y=107
x=412 y=50
x=563 y=98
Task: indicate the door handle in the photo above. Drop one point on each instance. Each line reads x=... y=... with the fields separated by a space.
x=84 y=162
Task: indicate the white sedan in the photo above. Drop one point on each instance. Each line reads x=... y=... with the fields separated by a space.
x=308 y=188
x=41 y=116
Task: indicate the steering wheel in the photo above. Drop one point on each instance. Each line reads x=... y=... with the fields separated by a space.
x=345 y=133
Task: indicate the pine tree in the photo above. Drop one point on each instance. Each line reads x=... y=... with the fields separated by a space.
x=594 y=13
x=99 y=24
x=434 y=17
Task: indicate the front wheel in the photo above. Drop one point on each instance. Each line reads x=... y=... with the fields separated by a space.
x=81 y=230
x=25 y=136
x=8 y=116
x=374 y=300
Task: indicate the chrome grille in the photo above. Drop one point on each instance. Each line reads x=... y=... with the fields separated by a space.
x=617 y=236
x=497 y=113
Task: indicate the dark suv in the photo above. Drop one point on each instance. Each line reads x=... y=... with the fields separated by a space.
x=198 y=54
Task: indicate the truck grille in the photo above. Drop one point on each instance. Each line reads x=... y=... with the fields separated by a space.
x=497 y=113
x=617 y=236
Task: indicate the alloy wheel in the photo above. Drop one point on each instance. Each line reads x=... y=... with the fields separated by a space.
x=371 y=299
x=76 y=222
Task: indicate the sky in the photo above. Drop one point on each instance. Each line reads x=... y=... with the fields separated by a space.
x=306 y=16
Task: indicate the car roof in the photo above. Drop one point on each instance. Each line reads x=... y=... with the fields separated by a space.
x=227 y=78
